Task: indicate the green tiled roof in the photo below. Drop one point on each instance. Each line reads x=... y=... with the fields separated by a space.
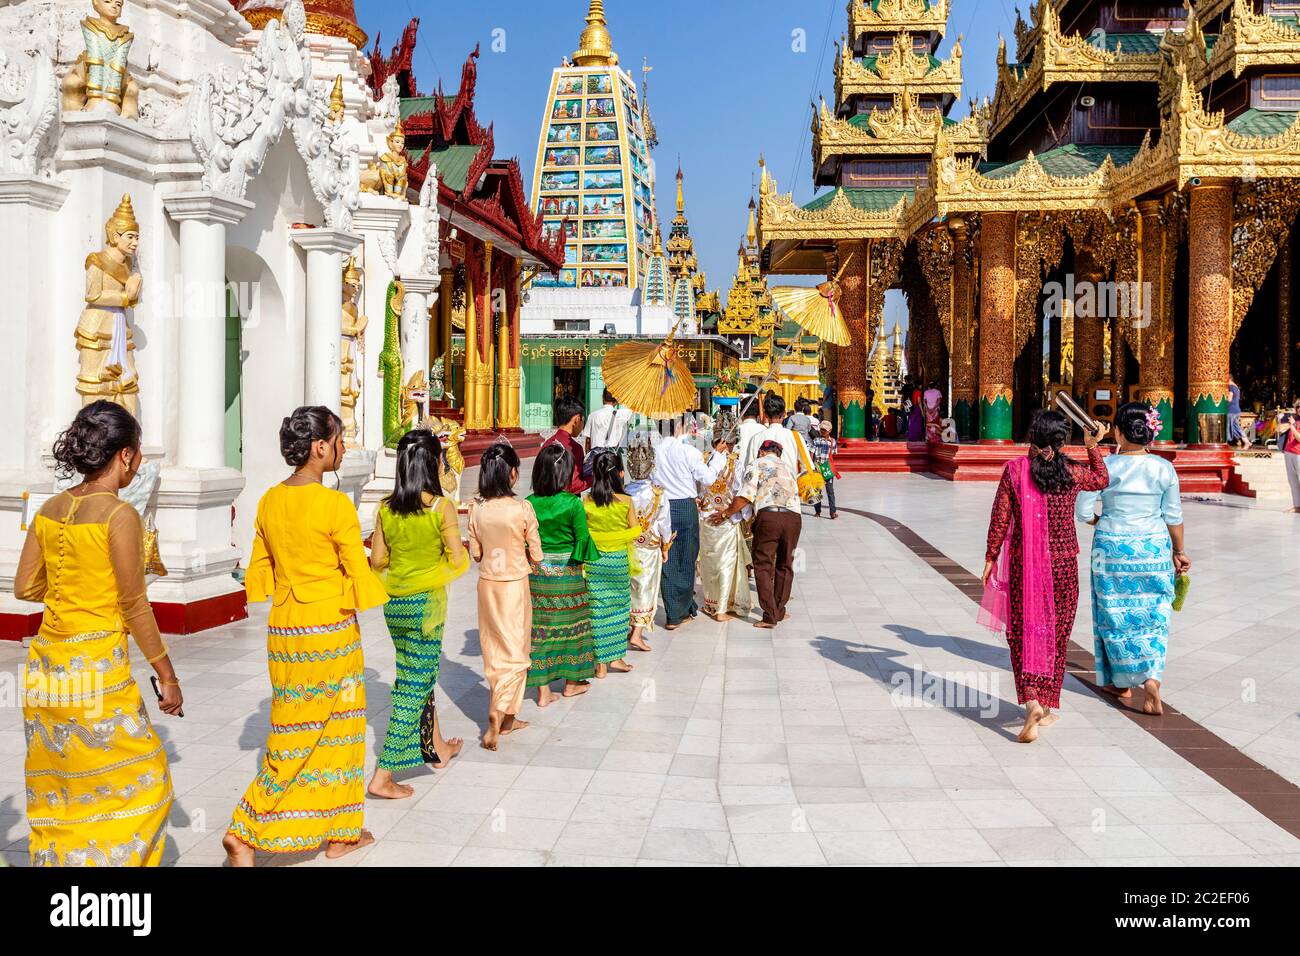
x=875 y=200
x=1263 y=122
x=1139 y=42
x=453 y=163
x=411 y=105
x=1069 y=161
x=861 y=121
x=870 y=62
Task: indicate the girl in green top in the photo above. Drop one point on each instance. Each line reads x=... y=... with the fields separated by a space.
x=417 y=545
x=563 y=646
x=614 y=528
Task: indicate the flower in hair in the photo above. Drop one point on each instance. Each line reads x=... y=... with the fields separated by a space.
x=1153 y=420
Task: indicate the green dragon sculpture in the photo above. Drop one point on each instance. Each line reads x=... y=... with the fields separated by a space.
x=390 y=366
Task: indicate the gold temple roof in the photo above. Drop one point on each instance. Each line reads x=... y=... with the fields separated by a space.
x=905 y=128
x=1251 y=39
x=914 y=16
x=1057 y=58
x=900 y=68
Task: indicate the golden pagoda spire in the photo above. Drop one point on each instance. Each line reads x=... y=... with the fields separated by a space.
x=681 y=203
x=751 y=233
x=595 y=48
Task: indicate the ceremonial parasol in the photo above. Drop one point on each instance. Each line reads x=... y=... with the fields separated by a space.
x=816 y=309
x=650 y=377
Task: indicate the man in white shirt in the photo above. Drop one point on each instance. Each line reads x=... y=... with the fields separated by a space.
x=773 y=415
x=750 y=410
x=607 y=427
x=679 y=468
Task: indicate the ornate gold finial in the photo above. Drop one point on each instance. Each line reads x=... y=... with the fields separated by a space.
x=352 y=275
x=751 y=233
x=681 y=202
x=595 y=48
x=336 y=99
x=122 y=220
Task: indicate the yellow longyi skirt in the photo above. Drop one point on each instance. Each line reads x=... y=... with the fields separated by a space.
x=98 y=789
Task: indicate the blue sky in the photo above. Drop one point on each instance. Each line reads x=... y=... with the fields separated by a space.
x=727 y=85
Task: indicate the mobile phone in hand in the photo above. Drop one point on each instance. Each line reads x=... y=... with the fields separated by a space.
x=153 y=679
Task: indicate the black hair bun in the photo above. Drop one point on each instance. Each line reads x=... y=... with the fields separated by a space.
x=310 y=423
x=100 y=431
x=1132 y=419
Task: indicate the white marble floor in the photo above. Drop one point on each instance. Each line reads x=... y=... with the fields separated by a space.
x=815 y=744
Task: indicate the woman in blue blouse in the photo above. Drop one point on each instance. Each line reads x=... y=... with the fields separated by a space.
x=1136 y=552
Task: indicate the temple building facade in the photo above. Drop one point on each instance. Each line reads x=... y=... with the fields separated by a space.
x=1116 y=222
x=223 y=222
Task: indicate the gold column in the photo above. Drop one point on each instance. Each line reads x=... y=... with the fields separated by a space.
x=508 y=412
x=479 y=418
x=1156 y=339
x=1284 y=344
x=503 y=352
x=962 y=359
x=851 y=360
x=997 y=324
x=475 y=418
x=1209 y=253
x=1089 y=338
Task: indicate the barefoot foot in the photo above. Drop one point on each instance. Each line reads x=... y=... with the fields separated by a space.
x=338 y=850
x=512 y=724
x=450 y=749
x=575 y=689
x=1049 y=719
x=1152 y=704
x=1034 y=713
x=388 y=789
x=238 y=853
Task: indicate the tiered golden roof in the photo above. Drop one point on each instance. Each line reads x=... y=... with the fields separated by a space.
x=881 y=16
x=907 y=127
x=901 y=67
x=1252 y=39
x=1058 y=58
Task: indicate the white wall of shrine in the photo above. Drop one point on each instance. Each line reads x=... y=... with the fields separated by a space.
x=213 y=205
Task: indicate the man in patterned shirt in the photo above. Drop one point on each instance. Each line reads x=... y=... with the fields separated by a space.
x=771 y=487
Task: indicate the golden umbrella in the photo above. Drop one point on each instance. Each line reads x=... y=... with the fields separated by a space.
x=650 y=377
x=816 y=309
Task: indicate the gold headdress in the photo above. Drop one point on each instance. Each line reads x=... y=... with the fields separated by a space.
x=122 y=220
x=397 y=131
x=351 y=275
x=336 y=99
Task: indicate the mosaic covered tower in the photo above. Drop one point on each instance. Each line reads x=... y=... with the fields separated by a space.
x=594 y=169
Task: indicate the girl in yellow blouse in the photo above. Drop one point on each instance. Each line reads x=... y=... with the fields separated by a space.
x=308 y=558
x=98 y=787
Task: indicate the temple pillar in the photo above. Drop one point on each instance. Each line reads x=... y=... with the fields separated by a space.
x=197 y=491
x=1156 y=347
x=508 y=375
x=414 y=337
x=997 y=325
x=325 y=249
x=962 y=359
x=203 y=218
x=1284 y=395
x=1089 y=337
x=1209 y=240
x=851 y=360
x=478 y=330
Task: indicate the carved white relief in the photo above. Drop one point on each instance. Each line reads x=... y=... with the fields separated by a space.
x=29 y=103
x=235 y=120
x=386 y=108
x=429 y=240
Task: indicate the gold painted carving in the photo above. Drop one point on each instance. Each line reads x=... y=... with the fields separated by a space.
x=1263 y=214
x=911 y=16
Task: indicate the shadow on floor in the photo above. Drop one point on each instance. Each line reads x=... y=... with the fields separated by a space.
x=883 y=665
